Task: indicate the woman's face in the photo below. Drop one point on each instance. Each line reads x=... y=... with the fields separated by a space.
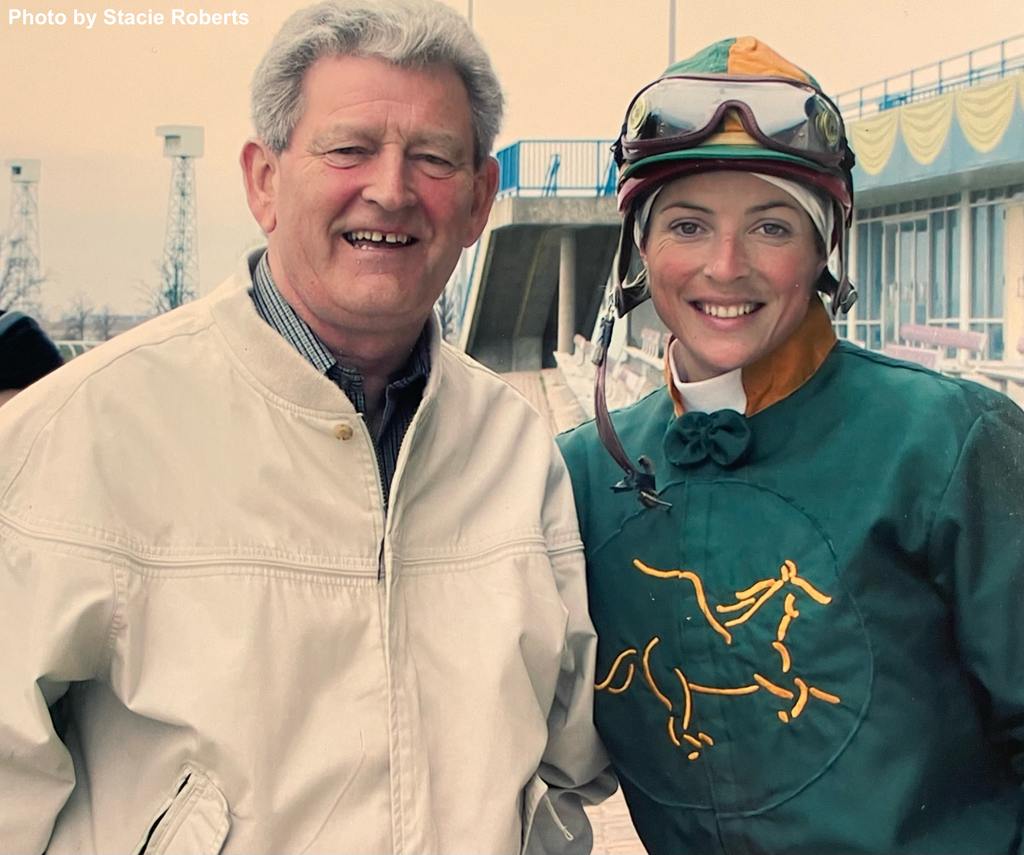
x=732 y=262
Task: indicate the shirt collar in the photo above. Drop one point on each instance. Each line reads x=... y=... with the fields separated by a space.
x=277 y=312
x=724 y=392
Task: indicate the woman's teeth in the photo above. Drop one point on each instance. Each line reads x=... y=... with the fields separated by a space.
x=733 y=311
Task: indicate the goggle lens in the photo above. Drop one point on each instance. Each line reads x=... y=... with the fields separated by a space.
x=681 y=112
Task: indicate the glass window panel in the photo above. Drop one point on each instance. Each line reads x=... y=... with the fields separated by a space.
x=874 y=279
x=952 y=263
x=939 y=304
x=905 y=275
x=863 y=256
x=996 y=272
x=995 y=341
x=888 y=298
x=890 y=253
x=979 y=266
x=921 y=277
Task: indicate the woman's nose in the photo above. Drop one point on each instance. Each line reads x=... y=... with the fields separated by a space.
x=728 y=260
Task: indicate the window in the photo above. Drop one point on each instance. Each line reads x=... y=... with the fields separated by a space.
x=988 y=284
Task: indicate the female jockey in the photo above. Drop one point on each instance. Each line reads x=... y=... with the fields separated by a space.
x=810 y=624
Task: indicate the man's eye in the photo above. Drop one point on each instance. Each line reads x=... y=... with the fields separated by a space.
x=345 y=155
x=434 y=165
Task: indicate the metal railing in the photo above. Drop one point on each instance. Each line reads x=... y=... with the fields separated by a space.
x=557 y=168
x=990 y=62
x=70 y=348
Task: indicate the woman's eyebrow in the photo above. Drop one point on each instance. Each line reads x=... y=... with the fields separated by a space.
x=766 y=206
x=755 y=209
x=690 y=206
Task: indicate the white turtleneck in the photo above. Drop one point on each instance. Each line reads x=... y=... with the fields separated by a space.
x=724 y=392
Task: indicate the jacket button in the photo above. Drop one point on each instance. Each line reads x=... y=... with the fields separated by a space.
x=343 y=431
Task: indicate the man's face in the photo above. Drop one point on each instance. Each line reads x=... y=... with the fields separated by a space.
x=369 y=207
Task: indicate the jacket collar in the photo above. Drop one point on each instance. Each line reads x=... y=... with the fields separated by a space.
x=779 y=374
x=268 y=359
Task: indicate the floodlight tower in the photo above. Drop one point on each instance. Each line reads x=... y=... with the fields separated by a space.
x=179 y=268
x=19 y=259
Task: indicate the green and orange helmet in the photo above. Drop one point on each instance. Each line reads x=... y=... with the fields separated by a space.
x=735 y=105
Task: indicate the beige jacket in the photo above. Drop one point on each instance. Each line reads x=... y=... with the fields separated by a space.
x=192 y=537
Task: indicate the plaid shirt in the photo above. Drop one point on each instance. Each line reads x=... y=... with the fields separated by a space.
x=401 y=397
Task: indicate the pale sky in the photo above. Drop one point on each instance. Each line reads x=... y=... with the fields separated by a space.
x=86 y=102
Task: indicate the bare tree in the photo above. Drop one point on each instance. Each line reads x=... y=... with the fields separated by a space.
x=76 y=318
x=103 y=323
x=173 y=290
x=17 y=281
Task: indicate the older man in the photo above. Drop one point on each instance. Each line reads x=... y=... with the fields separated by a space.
x=308 y=579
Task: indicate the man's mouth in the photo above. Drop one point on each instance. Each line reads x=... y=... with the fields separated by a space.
x=368 y=238
x=733 y=310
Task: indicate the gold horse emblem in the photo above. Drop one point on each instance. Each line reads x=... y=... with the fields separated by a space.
x=747 y=603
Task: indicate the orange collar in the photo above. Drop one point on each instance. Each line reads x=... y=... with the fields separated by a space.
x=784 y=370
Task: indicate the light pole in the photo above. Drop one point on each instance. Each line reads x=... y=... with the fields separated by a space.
x=671 y=30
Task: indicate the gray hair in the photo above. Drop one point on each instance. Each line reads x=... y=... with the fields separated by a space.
x=406 y=33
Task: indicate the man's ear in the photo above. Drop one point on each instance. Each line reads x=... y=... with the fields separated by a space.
x=485 y=186
x=259 y=171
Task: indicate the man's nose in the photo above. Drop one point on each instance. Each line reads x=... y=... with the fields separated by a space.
x=728 y=260
x=387 y=183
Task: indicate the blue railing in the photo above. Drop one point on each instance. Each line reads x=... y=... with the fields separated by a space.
x=557 y=168
x=990 y=62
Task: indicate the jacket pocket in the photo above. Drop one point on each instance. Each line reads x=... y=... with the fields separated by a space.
x=193 y=821
x=533 y=795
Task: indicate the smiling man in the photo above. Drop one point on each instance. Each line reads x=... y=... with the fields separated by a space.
x=302 y=577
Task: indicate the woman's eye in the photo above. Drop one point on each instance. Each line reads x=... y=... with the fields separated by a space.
x=687 y=228
x=774 y=229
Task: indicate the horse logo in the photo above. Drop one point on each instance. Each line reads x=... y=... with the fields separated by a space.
x=792 y=691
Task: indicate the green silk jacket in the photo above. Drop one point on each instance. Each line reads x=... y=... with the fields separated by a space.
x=819 y=647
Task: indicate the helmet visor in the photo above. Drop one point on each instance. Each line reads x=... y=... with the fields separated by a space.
x=681 y=112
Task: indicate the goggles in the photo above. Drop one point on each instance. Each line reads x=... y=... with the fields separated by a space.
x=783 y=115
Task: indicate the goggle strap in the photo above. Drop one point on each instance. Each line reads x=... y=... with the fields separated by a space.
x=843 y=293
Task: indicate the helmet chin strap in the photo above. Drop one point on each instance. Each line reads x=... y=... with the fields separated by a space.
x=641 y=476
